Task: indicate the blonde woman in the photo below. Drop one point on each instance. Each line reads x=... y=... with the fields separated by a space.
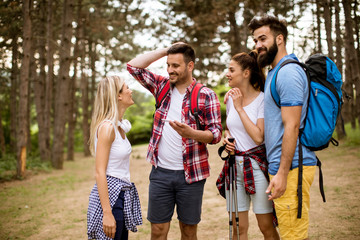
x=114 y=206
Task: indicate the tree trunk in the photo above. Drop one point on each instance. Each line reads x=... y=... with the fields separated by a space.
x=40 y=85
x=340 y=130
x=13 y=94
x=88 y=96
x=23 y=123
x=2 y=138
x=350 y=109
x=353 y=63
x=33 y=75
x=327 y=4
x=72 y=116
x=234 y=36
x=73 y=101
x=71 y=119
x=93 y=59
x=318 y=26
x=62 y=87
x=85 y=101
x=357 y=30
x=85 y=115
x=339 y=41
x=50 y=75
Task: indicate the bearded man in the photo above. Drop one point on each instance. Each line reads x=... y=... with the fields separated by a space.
x=282 y=127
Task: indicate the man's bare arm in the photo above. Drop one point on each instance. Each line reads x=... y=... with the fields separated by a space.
x=291 y=120
x=144 y=60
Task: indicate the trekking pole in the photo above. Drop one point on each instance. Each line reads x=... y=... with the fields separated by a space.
x=233 y=190
x=235 y=201
x=232 y=193
x=230 y=201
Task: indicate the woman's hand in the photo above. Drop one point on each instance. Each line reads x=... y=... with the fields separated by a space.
x=229 y=146
x=109 y=224
x=237 y=98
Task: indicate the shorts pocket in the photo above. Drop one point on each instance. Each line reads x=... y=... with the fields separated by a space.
x=152 y=173
x=286 y=212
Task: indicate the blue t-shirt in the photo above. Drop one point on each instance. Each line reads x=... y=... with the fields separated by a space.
x=292 y=87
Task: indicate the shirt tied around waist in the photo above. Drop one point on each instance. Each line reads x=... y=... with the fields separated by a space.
x=132 y=208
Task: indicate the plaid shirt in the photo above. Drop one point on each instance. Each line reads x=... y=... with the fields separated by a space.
x=257 y=153
x=195 y=154
x=132 y=209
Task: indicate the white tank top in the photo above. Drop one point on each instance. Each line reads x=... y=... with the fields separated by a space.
x=119 y=157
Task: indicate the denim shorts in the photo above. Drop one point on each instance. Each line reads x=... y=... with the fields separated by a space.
x=168 y=188
x=118 y=211
x=260 y=202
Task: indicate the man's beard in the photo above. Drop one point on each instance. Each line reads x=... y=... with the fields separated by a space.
x=268 y=57
x=180 y=77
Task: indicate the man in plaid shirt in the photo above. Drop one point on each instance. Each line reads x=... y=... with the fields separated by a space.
x=177 y=149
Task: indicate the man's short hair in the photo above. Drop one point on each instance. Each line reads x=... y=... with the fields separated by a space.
x=187 y=51
x=276 y=26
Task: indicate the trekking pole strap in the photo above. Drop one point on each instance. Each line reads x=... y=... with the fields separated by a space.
x=220 y=151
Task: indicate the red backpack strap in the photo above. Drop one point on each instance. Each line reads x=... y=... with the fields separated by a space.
x=194 y=102
x=161 y=95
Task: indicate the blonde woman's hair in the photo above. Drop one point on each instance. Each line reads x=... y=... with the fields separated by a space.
x=105 y=105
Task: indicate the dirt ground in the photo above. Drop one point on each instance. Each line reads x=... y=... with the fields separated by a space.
x=54 y=205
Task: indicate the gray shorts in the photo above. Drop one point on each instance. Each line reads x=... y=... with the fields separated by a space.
x=168 y=188
x=260 y=202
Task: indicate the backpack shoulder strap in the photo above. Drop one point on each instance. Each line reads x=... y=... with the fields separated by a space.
x=274 y=93
x=194 y=102
x=161 y=95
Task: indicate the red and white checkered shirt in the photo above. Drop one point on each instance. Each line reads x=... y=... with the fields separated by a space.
x=195 y=154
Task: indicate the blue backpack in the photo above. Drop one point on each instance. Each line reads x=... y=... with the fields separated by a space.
x=324 y=106
x=324 y=103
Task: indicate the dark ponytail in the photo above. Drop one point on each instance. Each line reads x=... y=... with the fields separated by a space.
x=249 y=61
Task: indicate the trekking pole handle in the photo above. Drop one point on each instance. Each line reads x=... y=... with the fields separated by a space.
x=223 y=148
x=231 y=139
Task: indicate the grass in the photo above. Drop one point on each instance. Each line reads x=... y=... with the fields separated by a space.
x=27 y=207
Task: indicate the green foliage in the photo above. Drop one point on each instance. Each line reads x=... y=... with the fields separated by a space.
x=115 y=25
x=353 y=135
x=78 y=139
x=141 y=117
x=34 y=163
x=141 y=130
x=7 y=163
x=8 y=166
x=10 y=19
x=221 y=90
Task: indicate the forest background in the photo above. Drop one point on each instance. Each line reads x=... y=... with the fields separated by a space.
x=54 y=52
